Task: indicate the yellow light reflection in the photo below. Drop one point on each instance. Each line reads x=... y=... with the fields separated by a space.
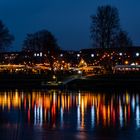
x=47 y=105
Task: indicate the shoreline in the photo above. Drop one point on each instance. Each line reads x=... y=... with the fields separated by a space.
x=101 y=81
x=108 y=81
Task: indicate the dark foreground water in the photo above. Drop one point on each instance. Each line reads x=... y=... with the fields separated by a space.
x=50 y=115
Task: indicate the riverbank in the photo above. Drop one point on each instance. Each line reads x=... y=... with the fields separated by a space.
x=21 y=80
x=98 y=81
x=107 y=81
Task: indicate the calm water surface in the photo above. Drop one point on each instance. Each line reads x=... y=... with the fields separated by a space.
x=48 y=115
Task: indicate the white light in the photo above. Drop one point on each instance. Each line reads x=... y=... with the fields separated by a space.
x=34 y=54
x=133 y=64
x=79 y=72
x=41 y=115
x=120 y=54
x=78 y=55
x=37 y=117
x=79 y=99
x=61 y=55
x=121 y=117
x=92 y=116
x=137 y=117
x=40 y=54
x=137 y=54
x=78 y=117
x=92 y=55
x=133 y=103
x=61 y=116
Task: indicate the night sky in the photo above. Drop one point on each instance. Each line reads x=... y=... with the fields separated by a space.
x=68 y=20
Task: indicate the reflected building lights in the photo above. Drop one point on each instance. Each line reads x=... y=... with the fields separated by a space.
x=45 y=107
x=45 y=115
x=127 y=98
x=92 y=117
x=137 y=117
x=78 y=117
x=61 y=117
x=28 y=116
x=41 y=115
x=79 y=99
x=108 y=112
x=133 y=103
x=137 y=98
x=35 y=115
x=104 y=115
x=38 y=115
x=125 y=114
x=121 y=117
x=82 y=114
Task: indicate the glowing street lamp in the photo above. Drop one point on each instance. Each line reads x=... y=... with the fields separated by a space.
x=126 y=62
x=54 y=77
x=78 y=55
x=61 y=55
x=137 y=54
x=120 y=54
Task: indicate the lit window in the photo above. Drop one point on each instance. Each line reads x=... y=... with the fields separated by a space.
x=40 y=54
x=132 y=64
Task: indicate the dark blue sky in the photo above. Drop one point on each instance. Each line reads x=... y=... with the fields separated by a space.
x=68 y=20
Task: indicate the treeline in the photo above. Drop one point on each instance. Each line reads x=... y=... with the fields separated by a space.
x=106 y=32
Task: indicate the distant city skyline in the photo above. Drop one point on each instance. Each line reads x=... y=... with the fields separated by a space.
x=68 y=20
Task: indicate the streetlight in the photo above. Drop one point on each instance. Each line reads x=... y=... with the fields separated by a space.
x=78 y=55
x=137 y=54
x=92 y=55
x=120 y=54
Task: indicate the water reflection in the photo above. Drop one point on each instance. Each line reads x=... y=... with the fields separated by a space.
x=137 y=117
x=83 y=110
x=92 y=116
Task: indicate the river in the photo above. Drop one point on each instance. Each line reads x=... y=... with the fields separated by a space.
x=53 y=114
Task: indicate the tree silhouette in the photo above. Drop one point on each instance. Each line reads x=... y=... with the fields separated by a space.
x=42 y=41
x=123 y=40
x=5 y=37
x=105 y=26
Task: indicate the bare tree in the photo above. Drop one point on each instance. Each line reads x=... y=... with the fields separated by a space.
x=105 y=26
x=42 y=41
x=5 y=37
x=123 y=40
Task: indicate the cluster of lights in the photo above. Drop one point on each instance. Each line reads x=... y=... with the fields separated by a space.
x=109 y=113
x=38 y=54
x=96 y=58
